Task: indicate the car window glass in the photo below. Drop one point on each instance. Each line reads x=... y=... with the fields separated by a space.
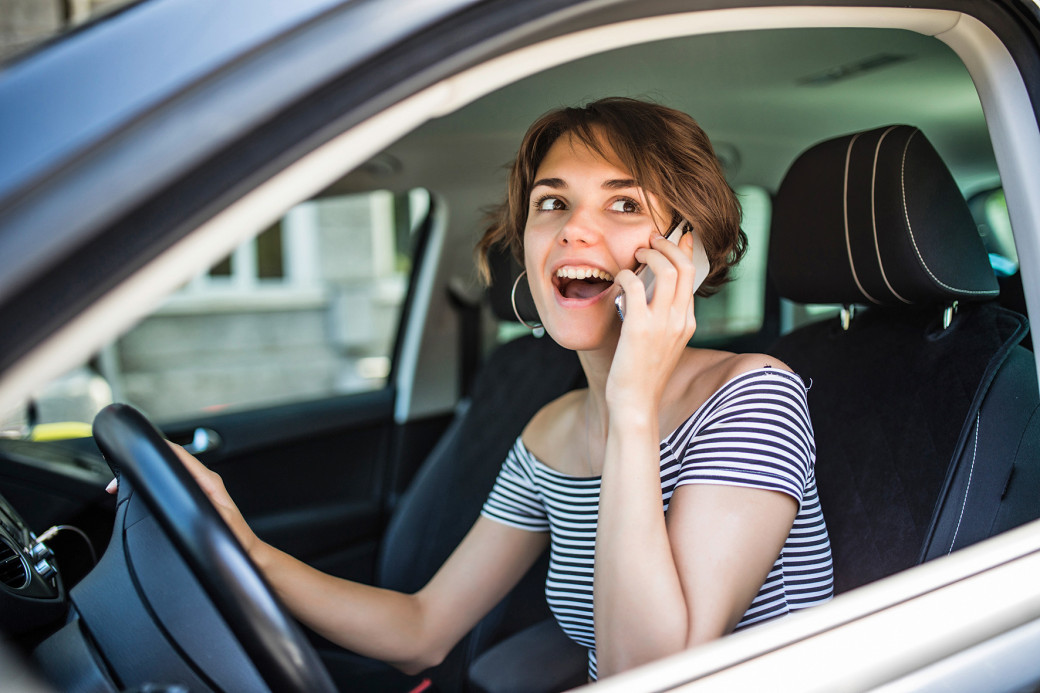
x=991 y=214
x=739 y=307
x=307 y=309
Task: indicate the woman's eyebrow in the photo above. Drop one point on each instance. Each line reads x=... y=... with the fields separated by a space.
x=555 y=183
x=612 y=184
x=619 y=183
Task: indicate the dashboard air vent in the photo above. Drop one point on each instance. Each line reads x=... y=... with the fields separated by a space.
x=13 y=570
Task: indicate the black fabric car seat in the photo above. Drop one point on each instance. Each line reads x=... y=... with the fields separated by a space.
x=445 y=497
x=927 y=433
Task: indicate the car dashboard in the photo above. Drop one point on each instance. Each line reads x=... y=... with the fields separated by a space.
x=55 y=518
x=45 y=488
x=32 y=593
x=81 y=604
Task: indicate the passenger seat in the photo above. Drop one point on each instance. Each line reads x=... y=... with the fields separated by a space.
x=924 y=405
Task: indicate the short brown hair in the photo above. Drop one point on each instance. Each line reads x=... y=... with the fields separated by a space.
x=664 y=150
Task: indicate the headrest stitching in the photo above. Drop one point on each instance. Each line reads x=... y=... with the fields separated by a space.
x=873 y=214
x=910 y=230
x=845 y=210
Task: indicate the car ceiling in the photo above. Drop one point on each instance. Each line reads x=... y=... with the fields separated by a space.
x=762 y=96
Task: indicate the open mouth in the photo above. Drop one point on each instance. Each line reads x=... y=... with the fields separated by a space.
x=582 y=282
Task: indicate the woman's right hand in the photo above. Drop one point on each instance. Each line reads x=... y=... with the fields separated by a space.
x=662 y=327
x=213 y=486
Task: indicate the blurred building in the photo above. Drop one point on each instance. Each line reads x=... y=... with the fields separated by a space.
x=24 y=23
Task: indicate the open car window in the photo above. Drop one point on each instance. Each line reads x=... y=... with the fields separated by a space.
x=308 y=309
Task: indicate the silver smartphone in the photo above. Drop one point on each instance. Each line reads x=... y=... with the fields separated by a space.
x=700 y=262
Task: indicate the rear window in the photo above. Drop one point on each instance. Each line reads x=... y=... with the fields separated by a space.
x=739 y=308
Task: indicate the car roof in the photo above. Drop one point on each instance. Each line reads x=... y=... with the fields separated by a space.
x=100 y=78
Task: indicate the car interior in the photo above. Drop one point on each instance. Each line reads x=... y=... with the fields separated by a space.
x=357 y=387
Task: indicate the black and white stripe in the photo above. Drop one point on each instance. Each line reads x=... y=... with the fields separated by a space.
x=753 y=432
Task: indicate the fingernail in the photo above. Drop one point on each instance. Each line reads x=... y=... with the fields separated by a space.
x=112 y=486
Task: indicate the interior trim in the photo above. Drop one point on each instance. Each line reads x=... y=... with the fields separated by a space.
x=1005 y=664
x=471 y=84
x=411 y=345
x=1015 y=137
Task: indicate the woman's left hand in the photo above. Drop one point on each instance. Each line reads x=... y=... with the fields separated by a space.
x=653 y=334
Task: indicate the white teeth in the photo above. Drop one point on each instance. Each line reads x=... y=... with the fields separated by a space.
x=584 y=273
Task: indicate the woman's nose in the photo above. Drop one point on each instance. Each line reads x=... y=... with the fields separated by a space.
x=580 y=228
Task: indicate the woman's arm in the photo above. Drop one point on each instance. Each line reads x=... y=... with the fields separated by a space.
x=664 y=585
x=639 y=605
x=725 y=540
x=410 y=631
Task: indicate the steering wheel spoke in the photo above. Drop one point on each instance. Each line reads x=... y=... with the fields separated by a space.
x=267 y=633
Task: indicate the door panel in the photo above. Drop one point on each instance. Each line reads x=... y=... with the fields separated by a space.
x=309 y=477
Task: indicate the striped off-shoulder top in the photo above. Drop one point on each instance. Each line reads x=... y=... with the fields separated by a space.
x=753 y=432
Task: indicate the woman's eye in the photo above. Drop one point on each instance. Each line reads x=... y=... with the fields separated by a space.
x=549 y=204
x=624 y=205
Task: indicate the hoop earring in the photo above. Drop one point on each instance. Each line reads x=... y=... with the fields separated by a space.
x=512 y=297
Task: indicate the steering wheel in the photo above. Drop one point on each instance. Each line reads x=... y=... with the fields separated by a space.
x=273 y=641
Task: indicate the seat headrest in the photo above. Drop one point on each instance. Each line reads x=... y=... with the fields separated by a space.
x=875 y=217
x=504 y=271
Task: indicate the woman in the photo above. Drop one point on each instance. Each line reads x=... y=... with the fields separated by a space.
x=722 y=442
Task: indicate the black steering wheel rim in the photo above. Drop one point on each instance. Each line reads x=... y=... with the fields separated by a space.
x=270 y=637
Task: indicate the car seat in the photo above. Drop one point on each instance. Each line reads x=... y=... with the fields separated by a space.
x=445 y=497
x=924 y=405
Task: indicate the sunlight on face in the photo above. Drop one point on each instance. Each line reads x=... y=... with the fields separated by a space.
x=587 y=217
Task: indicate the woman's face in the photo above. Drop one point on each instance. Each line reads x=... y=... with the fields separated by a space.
x=586 y=219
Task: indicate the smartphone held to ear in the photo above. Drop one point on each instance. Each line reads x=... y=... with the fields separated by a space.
x=700 y=262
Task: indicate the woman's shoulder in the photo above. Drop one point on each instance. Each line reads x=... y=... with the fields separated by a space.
x=706 y=371
x=550 y=432
x=735 y=365
x=754 y=381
